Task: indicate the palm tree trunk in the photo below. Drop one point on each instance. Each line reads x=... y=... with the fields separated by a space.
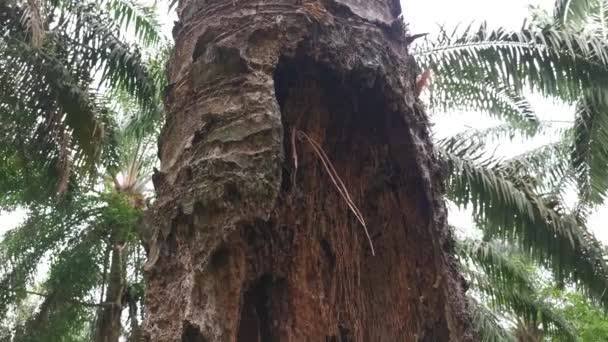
x=109 y=324
x=293 y=132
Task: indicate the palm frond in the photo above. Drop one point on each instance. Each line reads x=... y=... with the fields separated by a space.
x=143 y=121
x=449 y=94
x=497 y=261
x=502 y=132
x=487 y=325
x=590 y=148
x=597 y=19
x=551 y=60
x=46 y=96
x=68 y=305
x=122 y=65
x=571 y=11
x=508 y=283
x=44 y=233
x=525 y=305
x=43 y=105
x=547 y=166
x=142 y=19
x=62 y=313
x=508 y=209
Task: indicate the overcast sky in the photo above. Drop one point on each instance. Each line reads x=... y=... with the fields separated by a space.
x=426 y=16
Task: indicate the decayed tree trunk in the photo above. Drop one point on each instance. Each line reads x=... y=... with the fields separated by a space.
x=254 y=237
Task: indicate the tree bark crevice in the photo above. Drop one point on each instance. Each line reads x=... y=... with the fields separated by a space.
x=250 y=248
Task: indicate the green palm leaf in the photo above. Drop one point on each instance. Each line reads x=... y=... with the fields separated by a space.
x=50 y=87
x=497 y=262
x=508 y=283
x=448 y=95
x=550 y=60
x=487 y=325
x=65 y=310
x=571 y=11
x=506 y=207
x=142 y=19
x=590 y=148
x=43 y=233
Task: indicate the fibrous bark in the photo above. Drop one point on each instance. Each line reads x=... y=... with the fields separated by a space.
x=251 y=239
x=108 y=324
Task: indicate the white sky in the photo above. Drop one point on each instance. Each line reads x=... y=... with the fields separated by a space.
x=423 y=16
x=426 y=16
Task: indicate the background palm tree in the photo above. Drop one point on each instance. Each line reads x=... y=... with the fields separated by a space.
x=58 y=58
x=522 y=201
x=91 y=245
x=106 y=105
x=506 y=284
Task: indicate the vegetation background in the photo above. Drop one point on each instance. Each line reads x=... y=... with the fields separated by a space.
x=556 y=305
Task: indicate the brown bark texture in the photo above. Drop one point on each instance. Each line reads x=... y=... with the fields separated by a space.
x=253 y=237
x=109 y=324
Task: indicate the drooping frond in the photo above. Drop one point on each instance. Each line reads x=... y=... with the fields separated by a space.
x=487 y=325
x=44 y=233
x=548 y=166
x=449 y=95
x=590 y=148
x=596 y=20
x=143 y=121
x=551 y=60
x=68 y=303
x=508 y=284
x=508 y=132
x=52 y=124
x=122 y=65
x=506 y=207
x=52 y=118
x=45 y=75
x=142 y=19
x=496 y=260
x=526 y=305
x=73 y=237
x=571 y=11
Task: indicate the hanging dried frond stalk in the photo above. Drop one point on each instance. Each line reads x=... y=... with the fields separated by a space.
x=64 y=162
x=337 y=181
x=32 y=20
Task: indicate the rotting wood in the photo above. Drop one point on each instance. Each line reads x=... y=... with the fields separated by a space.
x=244 y=249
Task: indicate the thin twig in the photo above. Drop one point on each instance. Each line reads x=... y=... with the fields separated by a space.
x=335 y=178
x=334 y=175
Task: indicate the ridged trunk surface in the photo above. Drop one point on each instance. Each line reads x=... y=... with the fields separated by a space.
x=109 y=324
x=250 y=239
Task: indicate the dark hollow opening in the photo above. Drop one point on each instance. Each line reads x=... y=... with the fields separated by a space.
x=254 y=325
